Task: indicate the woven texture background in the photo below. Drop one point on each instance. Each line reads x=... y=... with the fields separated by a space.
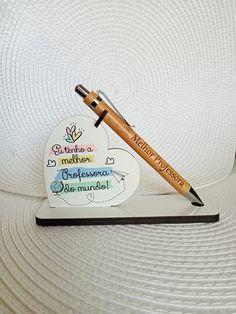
x=118 y=269
x=168 y=66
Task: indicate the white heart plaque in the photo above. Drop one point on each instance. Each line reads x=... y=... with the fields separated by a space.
x=80 y=170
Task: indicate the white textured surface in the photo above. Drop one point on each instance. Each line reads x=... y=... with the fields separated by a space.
x=176 y=60
x=118 y=269
x=168 y=66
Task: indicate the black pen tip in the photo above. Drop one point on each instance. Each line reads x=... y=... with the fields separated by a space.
x=194 y=198
x=197 y=204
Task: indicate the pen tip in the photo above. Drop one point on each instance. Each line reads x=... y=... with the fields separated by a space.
x=194 y=198
x=197 y=204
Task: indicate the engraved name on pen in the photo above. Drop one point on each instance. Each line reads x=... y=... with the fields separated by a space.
x=163 y=166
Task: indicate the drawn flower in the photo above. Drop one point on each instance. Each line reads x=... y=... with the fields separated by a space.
x=72 y=135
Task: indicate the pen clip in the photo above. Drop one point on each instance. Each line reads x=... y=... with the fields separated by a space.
x=100 y=92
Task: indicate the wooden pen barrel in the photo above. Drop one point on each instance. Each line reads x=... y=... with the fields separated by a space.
x=138 y=144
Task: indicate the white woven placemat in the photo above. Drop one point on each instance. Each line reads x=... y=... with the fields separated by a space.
x=169 y=66
x=118 y=269
x=175 y=59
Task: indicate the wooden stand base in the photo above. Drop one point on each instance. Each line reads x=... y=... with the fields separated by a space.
x=151 y=209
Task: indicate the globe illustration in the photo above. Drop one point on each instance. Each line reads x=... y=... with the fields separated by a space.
x=56 y=186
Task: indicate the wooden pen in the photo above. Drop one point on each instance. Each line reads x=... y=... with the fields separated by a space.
x=139 y=145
